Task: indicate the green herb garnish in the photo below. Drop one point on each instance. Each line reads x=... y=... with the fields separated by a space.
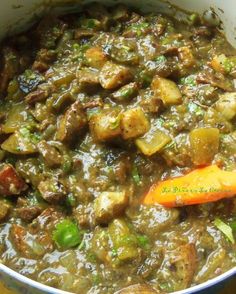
x=135 y=175
x=225 y=229
x=189 y=81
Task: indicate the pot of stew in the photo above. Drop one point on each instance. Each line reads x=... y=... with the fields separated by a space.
x=118 y=146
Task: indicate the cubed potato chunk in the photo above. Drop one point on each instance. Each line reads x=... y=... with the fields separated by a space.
x=109 y=205
x=219 y=63
x=72 y=123
x=105 y=126
x=152 y=142
x=204 y=143
x=166 y=90
x=95 y=57
x=119 y=231
x=134 y=123
x=226 y=105
x=186 y=56
x=113 y=75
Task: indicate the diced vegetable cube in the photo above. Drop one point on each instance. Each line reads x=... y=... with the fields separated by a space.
x=204 y=143
x=226 y=105
x=16 y=117
x=113 y=75
x=152 y=142
x=63 y=78
x=109 y=205
x=186 y=56
x=124 y=242
x=126 y=92
x=184 y=259
x=21 y=142
x=223 y=64
x=106 y=125
x=134 y=123
x=95 y=57
x=167 y=90
x=10 y=182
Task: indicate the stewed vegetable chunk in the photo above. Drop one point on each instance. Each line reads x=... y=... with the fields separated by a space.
x=167 y=91
x=152 y=142
x=134 y=123
x=95 y=57
x=226 y=105
x=113 y=75
x=109 y=205
x=204 y=144
x=106 y=125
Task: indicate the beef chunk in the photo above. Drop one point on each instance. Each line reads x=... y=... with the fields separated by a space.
x=10 y=182
x=72 y=123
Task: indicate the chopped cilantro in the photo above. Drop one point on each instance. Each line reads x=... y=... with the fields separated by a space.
x=135 y=175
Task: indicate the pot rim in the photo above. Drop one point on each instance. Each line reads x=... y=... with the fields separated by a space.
x=47 y=289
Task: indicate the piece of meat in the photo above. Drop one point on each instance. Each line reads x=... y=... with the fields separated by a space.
x=152 y=104
x=10 y=182
x=47 y=220
x=184 y=262
x=51 y=155
x=10 y=67
x=93 y=103
x=37 y=96
x=18 y=235
x=52 y=191
x=83 y=33
x=72 y=123
x=28 y=214
x=49 y=30
x=84 y=215
x=30 y=245
x=26 y=211
x=43 y=59
x=202 y=31
x=88 y=79
x=216 y=80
